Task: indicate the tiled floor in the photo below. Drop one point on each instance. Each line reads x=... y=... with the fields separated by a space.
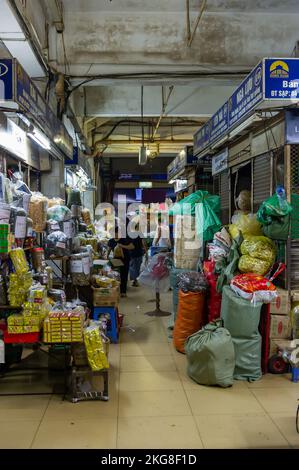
x=153 y=403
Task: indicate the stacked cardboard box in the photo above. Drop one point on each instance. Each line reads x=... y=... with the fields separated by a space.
x=105 y=296
x=280 y=326
x=63 y=327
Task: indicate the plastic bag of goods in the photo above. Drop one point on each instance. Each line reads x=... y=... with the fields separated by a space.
x=247 y=224
x=80 y=269
x=96 y=356
x=59 y=213
x=214 y=297
x=55 y=201
x=18 y=222
x=244 y=201
x=19 y=261
x=38 y=211
x=258 y=255
x=57 y=244
x=156 y=273
x=190 y=317
x=74 y=198
x=192 y=281
x=254 y=287
x=85 y=214
x=273 y=208
x=211 y=356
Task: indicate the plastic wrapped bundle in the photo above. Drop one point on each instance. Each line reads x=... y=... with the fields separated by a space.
x=19 y=261
x=55 y=201
x=258 y=255
x=156 y=273
x=192 y=281
x=59 y=213
x=18 y=290
x=96 y=356
x=38 y=211
x=57 y=244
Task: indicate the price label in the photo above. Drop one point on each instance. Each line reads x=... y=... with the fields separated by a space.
x=21 y=227
x=77 y=266
x=86 y=265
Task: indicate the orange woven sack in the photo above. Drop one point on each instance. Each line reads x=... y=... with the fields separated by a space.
x=190 y=317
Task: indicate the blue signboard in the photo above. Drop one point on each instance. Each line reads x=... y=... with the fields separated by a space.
x=281 y=79
x=6 y=79
x=292 y=126
x=202 y=137
x=219 y=123
x=19 y=87
x=247 y=96
x=181 y=161
x=144 y=177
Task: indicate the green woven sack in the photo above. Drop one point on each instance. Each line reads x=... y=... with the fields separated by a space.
x=211 y=356
x=278 y=229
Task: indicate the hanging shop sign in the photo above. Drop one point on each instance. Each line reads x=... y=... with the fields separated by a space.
x=183 y=159
x=271 y=81
x=14 y=140
x=153 y=177
x=220 y=162
x=18 y=87
x=292 y=126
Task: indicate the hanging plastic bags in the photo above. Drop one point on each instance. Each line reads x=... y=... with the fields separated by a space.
x=211 y=356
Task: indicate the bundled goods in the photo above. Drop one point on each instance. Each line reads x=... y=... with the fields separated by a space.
x=38 y=258
x=187 y=245
x=93 y=241
x=59 y=213
x=254 y=287
x=211 y=356
x=38 y=211
x=63 y=327
x=4 y=231
x=219 y=249
x=80 y=269
x=4 y=212
x=85 y=214
x=18 y=289
x=37 y=294
x=245 y=225
x=57 y=244
x=174 y=279
x=214 y=301
x=96 y=356
x=274 y=215
x=31 y=309
x=55 y=201
x=258 y=255
x=19 y=261
x=18 y=222
x=115 y=275
x=104 y=281
x=19 y=324
x=58 y=296
x=244 y=201
x=192 y=281
x=21 y=194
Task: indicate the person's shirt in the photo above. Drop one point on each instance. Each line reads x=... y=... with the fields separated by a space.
x=122 y=241
x=138 y=251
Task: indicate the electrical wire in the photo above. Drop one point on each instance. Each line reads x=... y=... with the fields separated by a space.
x=142 y=123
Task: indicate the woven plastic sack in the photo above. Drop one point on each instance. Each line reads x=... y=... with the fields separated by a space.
x=248 y=354
x=190 y=317
x=211 y=356
x=240 y=316
x=271 y=209
x=174 y=278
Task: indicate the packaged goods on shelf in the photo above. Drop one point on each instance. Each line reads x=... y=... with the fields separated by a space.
x=85 y=214
x=19 y=261
x=104 y=281
x=95 y=350
x=18 y=222
x=59 y=213
x=280 y=327
x=84 y=241
x=5 y=210
x=63 y=327
x=4 y=232
x=18 y=289
x=55 y=201
x=80 y=269
x=19 y=324
x=38 y=258
x=57 y=244
x=38 y=211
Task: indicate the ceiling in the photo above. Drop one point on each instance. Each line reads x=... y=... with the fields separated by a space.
x=109 y=49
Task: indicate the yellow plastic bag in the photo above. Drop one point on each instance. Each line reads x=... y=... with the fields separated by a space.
x=233 y=231
x=247 y=224
x=96 y=356
x=259 y=247
x=248 y=264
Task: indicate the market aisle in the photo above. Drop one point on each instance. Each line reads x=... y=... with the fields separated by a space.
x=153 y=403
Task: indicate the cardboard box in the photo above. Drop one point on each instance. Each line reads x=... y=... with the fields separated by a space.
x=275 y=344
x=281 y=305
x=280 y=327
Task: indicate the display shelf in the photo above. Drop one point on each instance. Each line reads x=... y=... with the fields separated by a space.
x=9 y=307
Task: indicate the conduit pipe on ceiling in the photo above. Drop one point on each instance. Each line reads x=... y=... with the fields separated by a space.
x=191 y=35
x=164 y=106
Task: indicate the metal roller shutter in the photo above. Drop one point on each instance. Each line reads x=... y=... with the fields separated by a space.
x=294 y=243
x=261 y=180
x=224 y=196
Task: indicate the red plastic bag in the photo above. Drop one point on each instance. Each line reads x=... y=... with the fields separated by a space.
x=254 y=287
x=160 y=270
x=214 y=299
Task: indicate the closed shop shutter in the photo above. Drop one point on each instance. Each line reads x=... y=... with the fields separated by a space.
x=261 y=180
x=224 y=196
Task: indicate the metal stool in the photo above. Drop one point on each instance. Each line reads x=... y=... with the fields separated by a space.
x=112 y=331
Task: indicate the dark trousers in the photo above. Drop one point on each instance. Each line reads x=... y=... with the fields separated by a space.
x=124 y=274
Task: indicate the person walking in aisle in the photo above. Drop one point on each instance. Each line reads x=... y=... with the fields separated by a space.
x=140 y=249
x=122 y=248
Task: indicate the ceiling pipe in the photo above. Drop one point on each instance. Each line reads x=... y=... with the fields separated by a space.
x=139 y=141
x=203 y=5
x=164 y=106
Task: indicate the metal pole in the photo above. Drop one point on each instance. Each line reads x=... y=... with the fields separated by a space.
x=164 y=106
x=203 y=5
